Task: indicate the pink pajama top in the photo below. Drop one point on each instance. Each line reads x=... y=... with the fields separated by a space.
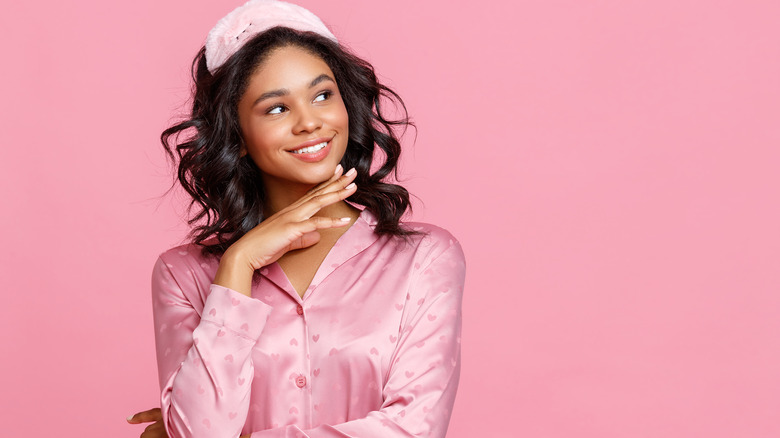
x=371 y=350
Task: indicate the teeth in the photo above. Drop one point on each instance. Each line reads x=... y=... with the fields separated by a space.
x=311 y=149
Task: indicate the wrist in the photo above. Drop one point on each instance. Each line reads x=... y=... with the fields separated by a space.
x=235 y=272
x=234 y=257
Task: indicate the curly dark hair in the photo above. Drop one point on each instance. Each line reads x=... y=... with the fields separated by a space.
x=227 y=189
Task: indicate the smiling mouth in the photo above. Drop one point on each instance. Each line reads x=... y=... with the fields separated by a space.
x=310 y=149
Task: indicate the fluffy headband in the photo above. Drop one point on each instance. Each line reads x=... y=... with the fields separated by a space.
x=255 y=16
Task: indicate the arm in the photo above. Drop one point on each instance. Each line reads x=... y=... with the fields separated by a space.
x=204 y=355
x=204 y=359
x=157 y=428
x=425 y=368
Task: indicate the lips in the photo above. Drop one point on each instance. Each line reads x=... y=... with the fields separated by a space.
x=310 y=144
x=312 y=151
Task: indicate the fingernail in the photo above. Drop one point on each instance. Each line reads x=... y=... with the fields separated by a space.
x=345 y=219
x=350 y=186
x=351 y=172
x=130 y=417
x=338 y=169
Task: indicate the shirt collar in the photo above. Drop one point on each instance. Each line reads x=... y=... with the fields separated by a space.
x=355 y=240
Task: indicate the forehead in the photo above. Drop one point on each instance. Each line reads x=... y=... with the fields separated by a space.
x=288 y=67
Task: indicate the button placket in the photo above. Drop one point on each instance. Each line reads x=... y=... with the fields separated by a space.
x=302 y=380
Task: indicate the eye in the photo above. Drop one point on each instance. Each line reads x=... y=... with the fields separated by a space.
x=276 y=109
x=325 y=95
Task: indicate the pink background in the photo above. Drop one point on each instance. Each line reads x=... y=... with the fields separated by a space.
x=610 y=167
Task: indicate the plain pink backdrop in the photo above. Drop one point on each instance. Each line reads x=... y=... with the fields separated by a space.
x=610 y=167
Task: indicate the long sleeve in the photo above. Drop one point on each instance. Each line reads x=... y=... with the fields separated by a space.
x=203 y=353
x=422 y=381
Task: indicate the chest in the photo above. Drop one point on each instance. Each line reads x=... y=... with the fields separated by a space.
x=301 y=265
x=351 y=321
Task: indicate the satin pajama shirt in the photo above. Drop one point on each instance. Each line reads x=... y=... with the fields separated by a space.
x=371 y=350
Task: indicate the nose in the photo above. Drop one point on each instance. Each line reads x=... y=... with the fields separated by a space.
x=308 y=121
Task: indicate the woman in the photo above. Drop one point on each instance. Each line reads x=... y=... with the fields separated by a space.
x=294 y=312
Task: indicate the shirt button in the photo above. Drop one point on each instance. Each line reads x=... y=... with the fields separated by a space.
x=300 y=381
x=300 y=309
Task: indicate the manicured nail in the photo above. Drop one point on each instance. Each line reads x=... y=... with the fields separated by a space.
x=130 y=417
x=350 y=186
x=351 y=172
x=338 y=169
x=345 y=219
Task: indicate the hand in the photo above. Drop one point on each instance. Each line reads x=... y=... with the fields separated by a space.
x=295 y=226
x=291 y=228
x=154 y=430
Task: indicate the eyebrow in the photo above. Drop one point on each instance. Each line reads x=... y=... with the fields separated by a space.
x=284 y=92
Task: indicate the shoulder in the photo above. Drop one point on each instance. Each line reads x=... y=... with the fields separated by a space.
x=182 y=275
x=439 y=267
x=183 y=256
x=186 y=263
x=434 y=241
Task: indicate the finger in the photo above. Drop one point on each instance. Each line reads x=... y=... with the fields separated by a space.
x=155 y=430
x=316 y=203
x=309 y=229
x=330 y=186
x=306 y=240
x=312 y=225
x=145 y=416
x=339 y=183
x=156 y=426
x=336 y=175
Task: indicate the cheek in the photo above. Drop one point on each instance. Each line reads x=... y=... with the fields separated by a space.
x=340 y=118
x=263 y=140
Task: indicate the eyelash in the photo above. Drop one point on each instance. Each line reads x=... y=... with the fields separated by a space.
x=326 y=93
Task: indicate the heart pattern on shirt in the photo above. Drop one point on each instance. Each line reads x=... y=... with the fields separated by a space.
x=366 y=324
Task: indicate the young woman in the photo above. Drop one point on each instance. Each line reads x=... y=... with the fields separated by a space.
x=303 y=306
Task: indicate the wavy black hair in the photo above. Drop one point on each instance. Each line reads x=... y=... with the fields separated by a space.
x=226 y=188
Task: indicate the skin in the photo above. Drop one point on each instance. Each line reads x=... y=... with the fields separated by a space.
x=306 y=212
